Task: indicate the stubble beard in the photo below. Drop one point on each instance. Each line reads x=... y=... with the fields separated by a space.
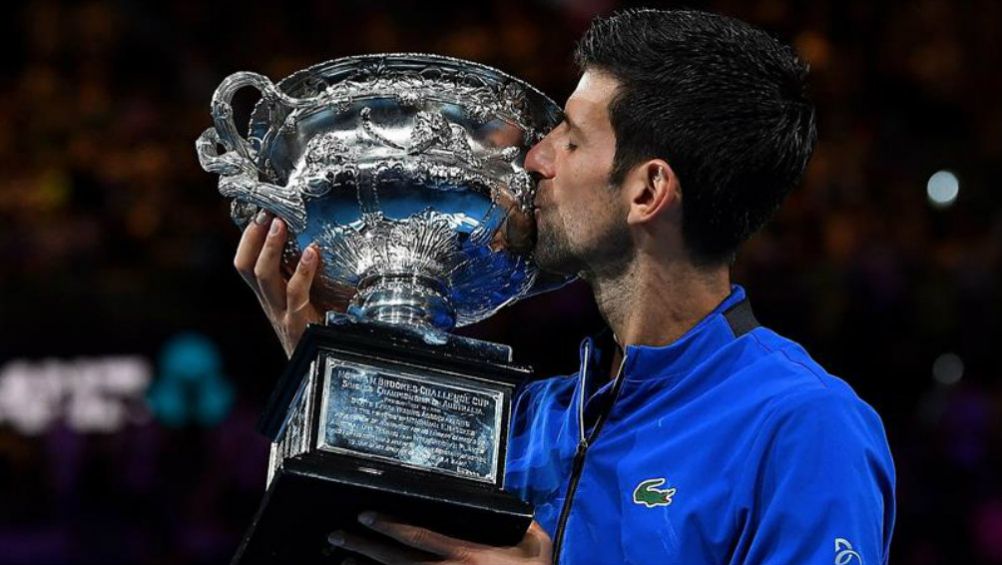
x=553 y=252
x=606 y=252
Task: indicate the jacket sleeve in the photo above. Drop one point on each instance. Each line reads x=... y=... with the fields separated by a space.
x=822 y=486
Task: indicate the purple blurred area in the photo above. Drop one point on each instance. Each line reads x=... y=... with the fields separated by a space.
x=134 y=361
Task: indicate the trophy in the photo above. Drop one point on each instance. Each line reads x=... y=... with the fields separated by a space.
x=406 y=171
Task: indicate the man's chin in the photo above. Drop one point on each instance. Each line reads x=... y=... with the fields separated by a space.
x=561 y=264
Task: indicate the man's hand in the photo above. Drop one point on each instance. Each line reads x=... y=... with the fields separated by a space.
x=286 y=302
x=425 y=546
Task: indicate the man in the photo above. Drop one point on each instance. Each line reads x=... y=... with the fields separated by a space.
x=700 y=437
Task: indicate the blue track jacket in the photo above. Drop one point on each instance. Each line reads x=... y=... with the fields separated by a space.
x=729 y=446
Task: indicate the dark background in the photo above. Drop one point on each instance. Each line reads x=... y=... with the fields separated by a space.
x=115 y=245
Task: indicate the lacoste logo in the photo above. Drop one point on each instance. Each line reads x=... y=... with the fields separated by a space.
x=844 y=554
x=648 y=493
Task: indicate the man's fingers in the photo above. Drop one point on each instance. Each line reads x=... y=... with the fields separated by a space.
x=537 y=541
x=266 y=269
x=419 y=538
x=384 y=552
x=298 y=289
x=250 y=247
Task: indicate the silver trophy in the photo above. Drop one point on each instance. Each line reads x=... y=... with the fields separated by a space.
x=406 y=171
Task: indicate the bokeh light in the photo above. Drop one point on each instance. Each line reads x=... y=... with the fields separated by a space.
x=948 y=369
x=943 y=188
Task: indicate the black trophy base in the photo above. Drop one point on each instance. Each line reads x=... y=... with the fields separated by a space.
x=314 y=495
x=345 y=386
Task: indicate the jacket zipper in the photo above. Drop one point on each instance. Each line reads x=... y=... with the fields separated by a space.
x=579 y=456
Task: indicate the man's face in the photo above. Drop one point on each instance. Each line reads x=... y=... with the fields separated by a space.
x=581 y=219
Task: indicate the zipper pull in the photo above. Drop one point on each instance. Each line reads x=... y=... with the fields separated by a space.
x=586 y=348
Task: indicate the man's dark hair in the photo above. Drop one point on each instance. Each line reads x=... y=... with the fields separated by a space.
x=721 y=101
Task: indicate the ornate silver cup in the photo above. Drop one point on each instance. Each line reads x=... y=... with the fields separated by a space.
x=405 y=169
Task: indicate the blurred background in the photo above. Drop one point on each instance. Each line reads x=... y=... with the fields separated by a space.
x=134 y=361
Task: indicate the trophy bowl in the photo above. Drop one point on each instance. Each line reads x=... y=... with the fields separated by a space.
x=406 y=171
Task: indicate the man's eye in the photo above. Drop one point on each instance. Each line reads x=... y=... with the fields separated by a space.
x=571 y=146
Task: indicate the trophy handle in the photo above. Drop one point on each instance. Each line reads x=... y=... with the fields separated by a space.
x=238 y=179
x=222 y=107
x=227 y=163
x=239 y=174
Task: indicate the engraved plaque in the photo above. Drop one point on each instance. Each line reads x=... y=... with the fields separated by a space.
x=424 y=421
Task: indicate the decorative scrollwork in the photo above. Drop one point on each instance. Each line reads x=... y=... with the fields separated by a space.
x=431 y=131
x=483 y=101
x=330 y=162
x=424 y=245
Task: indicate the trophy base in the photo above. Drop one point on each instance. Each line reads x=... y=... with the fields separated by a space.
x=370 y=417
x=313 y=495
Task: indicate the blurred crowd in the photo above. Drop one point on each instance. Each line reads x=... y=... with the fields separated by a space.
x=113 y=241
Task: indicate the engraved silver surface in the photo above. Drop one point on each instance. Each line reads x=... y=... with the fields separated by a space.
x=421 y=421
x=406 y=170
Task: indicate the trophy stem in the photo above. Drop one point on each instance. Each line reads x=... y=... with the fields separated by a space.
x=408 y=300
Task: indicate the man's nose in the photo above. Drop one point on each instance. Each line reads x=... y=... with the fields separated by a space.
x=539 y=160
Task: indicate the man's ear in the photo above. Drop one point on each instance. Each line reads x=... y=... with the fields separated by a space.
x=653 y=191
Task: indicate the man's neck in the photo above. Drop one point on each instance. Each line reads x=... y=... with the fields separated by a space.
x=651 y=303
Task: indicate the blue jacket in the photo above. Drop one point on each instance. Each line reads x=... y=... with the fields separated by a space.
x=728 y=446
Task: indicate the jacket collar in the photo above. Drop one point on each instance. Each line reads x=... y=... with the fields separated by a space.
x=730 y=319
